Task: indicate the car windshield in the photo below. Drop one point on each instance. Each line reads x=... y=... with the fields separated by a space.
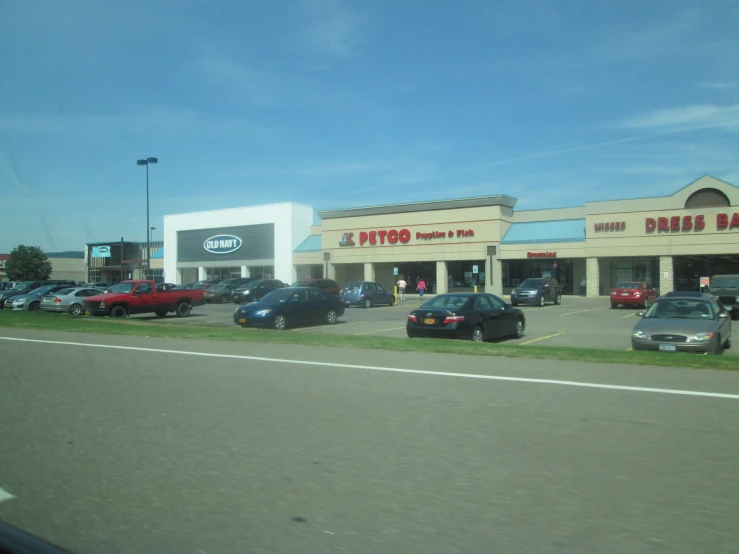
x=279 y=295
x=448 y=301
x=123 y=288
x=532 y=283
x=628 y=286
x=43 y=290
x=23 y=285
x=680 y=309
x=251 y=284
x=725 y=283
x=356 y=285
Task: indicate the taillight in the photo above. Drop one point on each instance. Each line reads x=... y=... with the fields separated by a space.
x=57 y=299
x=453 y=319
x=413 y=318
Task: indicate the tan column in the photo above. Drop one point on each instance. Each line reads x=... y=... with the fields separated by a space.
x=592 y=276
x=369 y=272
x=666 y=277
x=442 y=278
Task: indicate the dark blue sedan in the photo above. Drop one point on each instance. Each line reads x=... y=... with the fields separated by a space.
x=290 y=306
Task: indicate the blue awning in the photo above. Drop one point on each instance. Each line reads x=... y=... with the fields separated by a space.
x=567 y=230
x=311 y=244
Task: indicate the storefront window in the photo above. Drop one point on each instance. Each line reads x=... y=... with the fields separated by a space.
x=461 y=276
x=635 y=269
x=261 y=272
x=223 y=272
x=517 y=271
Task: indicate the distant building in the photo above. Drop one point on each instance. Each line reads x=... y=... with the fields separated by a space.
x=114 y=261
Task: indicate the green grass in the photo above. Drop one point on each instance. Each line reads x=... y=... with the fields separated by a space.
x=150 y=328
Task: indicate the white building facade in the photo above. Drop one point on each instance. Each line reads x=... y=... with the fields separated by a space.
x=253 y=241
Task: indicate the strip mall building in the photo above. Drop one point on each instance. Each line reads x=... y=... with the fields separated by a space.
x=670 y=242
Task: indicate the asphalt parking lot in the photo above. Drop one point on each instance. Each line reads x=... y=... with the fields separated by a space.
x=578 y=321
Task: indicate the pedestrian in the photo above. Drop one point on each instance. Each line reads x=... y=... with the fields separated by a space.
x=583 y=287
x=421 y=287
x=401 y=288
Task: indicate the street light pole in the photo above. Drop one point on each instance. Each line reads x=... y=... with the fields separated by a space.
x=146 y=162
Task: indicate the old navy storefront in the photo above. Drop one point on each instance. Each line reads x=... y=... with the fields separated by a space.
x=670 y=242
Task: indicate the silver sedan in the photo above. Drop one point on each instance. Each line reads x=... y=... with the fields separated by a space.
x=67 y=300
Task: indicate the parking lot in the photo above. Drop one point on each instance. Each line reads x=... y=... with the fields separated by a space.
x=578 y=321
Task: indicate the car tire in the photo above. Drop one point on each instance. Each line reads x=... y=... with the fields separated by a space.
x=477 y=334
x=412 y=334
x=367 y=303
x=160 y=313
x=613 y=306
x=718 y=346
x=33 y=307
x=520 y=327
x=331 y=316
x=74 y=309
x=280 y=322
x=541 y=301
x=183 y=309
x=118 y=312
x=727 y=343
x=558 y=299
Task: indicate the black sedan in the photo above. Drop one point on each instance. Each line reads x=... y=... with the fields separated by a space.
x=254 y=290
x=472 y=316
x=290 y=306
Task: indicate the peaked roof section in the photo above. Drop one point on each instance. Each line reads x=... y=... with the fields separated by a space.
x=311 y=244
x=566 y=230
x=158 y=255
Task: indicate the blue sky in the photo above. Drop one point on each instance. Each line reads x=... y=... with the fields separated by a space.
x=338 y=103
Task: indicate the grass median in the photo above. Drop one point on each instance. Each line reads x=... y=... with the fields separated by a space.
x=149 y=328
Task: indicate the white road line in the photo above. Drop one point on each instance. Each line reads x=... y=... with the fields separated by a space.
x=5 y=495
x=388 y=369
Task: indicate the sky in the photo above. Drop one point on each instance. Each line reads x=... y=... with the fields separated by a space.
x=339 y=104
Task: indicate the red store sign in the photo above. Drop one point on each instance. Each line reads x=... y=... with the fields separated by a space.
x=541 y=254
x=690 y=223
x=402 y=236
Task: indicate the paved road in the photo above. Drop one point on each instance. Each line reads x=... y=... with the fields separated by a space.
x=578 y=321
x=120 y=450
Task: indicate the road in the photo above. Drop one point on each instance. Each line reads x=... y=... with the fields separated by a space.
x=187 y=446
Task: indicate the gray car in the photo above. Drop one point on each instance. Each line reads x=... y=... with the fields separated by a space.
x=30 y=301
x=69 y=300
x=683 y=322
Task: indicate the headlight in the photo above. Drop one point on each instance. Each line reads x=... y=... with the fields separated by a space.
x=245 y=291
x=102 y=304
x=700 y=337
x=263 y=312
x=16 y=299
x=641 y=335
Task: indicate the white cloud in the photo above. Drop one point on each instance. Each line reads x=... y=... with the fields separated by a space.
x=686 y=118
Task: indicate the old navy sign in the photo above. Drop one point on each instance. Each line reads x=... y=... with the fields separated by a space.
x=222 y=244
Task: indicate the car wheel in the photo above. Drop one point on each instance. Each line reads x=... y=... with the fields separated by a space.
x=280 y=322
x=558 y=299
x=412 y=334
x=33 y=307
x=368 y=303
x=160 y=313
x=331 y=317
x=613 y=306
x=541 y=301
x=183 y=309
x=477 y=334
x=520 y=326
x=119 y=312
x=75 y=309
x=727 y=343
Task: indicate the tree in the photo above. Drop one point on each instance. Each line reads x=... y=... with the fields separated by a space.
x=27 y=263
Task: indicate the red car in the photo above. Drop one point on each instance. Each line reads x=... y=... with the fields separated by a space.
x=632 y=294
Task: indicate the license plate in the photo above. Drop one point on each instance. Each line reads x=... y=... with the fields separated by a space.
x=624 y=294
x=242 y=320
x=429 y=321
x=667 y=348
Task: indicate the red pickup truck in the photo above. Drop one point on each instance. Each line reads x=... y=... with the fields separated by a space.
x=141 y=297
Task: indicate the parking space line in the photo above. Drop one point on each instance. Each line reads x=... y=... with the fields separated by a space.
x=542 y=338
x=629 y=315
x=379 y=330
x=581 y=311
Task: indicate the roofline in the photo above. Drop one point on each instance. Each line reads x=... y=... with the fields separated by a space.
x=429 y=205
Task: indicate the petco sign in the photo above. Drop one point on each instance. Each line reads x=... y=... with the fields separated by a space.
x=222 y=244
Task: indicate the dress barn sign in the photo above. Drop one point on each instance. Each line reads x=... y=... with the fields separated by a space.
x=690 y=223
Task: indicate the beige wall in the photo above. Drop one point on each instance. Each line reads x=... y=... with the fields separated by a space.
x=72 y=269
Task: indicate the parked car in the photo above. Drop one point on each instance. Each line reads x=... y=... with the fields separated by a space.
x=30 y=301
x=219 y=293
x=141 y=297
x=23 y=287
x=290 y=306
x=466 y=315
x=328 y=285
x=726 y=289
x=70 y=300
x=689 y=322
x=4 y=285
x=254 y=290
x=366 y=293
x=205 y=284
x=165 y=286
x=633 y=293
x=538 y=290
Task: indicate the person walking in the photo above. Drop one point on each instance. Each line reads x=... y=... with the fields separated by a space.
x=583 y=287
x=421 y=287
x=401 y=288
